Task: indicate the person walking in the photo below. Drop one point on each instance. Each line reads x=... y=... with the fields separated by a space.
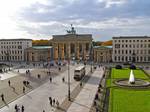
x=2 y=96
x=50 y=100
x=80 y=84
x=54 y=101
x=63 y=79
x=57 y=103
x=23 y=89
x=9 y=82
x=50 y=79
x=22 y=108
x=16 y=108
x=43 y=110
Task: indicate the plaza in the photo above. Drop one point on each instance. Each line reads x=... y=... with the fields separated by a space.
x=36 y=97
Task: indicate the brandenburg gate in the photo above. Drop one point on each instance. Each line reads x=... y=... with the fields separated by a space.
x=71 y=46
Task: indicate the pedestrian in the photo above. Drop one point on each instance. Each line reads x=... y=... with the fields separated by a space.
x=23 y=89
x=50 y=98
x=50 y=79
x=2 y=96
x=54 y=101
x=57 y=103
x=80 y=84
x=16 y=107
x=63 y=79
x=22 y=108
x=43 y=110
x=9 y=82
x=39 y=76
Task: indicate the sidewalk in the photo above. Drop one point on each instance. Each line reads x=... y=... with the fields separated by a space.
x=84 y=100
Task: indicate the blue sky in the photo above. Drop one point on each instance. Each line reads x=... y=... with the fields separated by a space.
x=40 y=19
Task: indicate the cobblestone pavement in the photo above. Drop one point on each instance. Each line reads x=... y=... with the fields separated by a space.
x=37 y=100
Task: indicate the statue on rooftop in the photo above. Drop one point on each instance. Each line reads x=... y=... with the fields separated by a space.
x=72 y=31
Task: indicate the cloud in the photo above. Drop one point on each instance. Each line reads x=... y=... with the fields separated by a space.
x=102 y=18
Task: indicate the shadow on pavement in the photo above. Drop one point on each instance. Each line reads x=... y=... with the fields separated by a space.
x=14 y=90
x=93 y=80
x=5 y=103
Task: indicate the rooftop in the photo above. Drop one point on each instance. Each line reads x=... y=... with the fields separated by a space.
x=131 y=37
x=41 y=47
x=15 y=39
x=102 y=46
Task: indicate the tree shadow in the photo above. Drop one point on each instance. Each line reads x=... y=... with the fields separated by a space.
x=14 y=90
x=5 y=103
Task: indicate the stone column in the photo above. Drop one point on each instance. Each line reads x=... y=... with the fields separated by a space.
x=84 y=51
x=62 y=51
x=68 y=50
x=56 y=51
x=77 y=51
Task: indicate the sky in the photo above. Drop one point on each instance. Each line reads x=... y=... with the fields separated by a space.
x=104 y=19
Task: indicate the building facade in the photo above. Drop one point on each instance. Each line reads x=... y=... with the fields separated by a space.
x=38 y=54
x=102 y=54
x=13 y=49
x=134 y=49
x=72 y=46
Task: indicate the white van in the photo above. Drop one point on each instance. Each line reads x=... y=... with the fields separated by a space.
x=79 y=73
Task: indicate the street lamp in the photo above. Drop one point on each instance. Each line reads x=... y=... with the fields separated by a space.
x=91 y=56
x=69 y=80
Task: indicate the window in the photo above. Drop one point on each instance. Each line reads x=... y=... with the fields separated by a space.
x=129 y=40
x=117 y=45
x=144 y=58
x=19 y=47
x=115 y=58
x=122 y=46
x=141 y=58
x=149 y=58
x=148 y=51
x=149 y=45
x=126 y=40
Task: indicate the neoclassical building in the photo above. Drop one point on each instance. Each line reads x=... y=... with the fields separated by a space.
x=71 y=45
x=38 y=54
x=13 y=49
x=102 y=54
x=131 y=48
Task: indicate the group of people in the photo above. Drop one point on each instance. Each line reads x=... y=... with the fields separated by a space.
x=53 y=102
x=19 y=109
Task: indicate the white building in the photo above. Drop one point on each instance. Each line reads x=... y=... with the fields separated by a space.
x=135 y=49
x=13 y=49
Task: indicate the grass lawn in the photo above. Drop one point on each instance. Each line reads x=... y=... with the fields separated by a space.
x=124 y=73
x=128 y=100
